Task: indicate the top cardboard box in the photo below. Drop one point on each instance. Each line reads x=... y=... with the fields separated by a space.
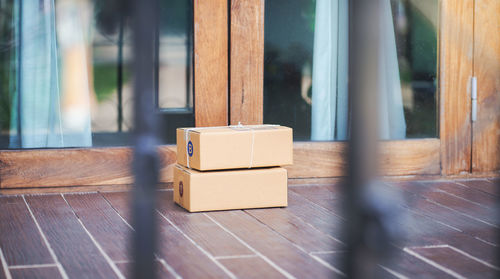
x=233 y=147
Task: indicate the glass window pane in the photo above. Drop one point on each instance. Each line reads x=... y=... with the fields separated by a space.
x=175 y=55
x=306 y=64
x=66 y=77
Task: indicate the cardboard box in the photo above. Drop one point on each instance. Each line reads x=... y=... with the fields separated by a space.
x=232 y=147
x=233 y=189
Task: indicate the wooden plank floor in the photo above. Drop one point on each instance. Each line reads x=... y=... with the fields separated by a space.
x=450 y=230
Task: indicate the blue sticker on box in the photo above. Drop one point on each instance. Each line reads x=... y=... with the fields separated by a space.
x=190 y=149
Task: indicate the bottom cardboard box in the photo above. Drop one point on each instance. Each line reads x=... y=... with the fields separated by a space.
x=230 y=189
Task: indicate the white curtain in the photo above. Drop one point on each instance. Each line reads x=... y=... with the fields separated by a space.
x=330 y=109
x=51 y=107
x=392 y=123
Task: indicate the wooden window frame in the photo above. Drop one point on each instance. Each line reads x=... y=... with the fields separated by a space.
x=111 y=165
x=230 y=75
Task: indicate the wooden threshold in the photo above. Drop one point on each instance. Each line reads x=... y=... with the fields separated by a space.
x=328 y=159
x=111 y=166
x=75 y=189
x=75 y=167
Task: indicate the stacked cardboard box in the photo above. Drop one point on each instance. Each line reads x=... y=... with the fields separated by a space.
x=232 y=167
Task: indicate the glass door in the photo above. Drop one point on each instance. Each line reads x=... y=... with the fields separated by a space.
x=66 y=90
x=306 y=71
x=304 y=48
x=67 y=79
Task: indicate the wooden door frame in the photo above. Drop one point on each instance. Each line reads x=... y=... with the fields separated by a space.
x=447 y=155
x=455 y=73
x=486 y=69
x=211 y=58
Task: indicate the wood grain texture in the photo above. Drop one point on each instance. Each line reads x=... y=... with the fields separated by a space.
x=74 y=189
x=3 y=273
x=247 y=62
x=120 y=202
x=296 y=230
x=68 y=239
x=423 y=231
x=39 y=273
x=440 y=213
x=312 y=181
x=410 y=157
x=410 y=266
x=418 y=229
x=210 y=62
x=63 y=189
x=316 y=216
x=318 y=159
x=251 y=268
x=161 y=271
x=102 y=221
x=287 y=237
x=459 y=263
x=328 y=159
x=172 y=245
x=465 y=192
x=483 y=185
x=111 y=166
x=337 y=258
x=486 y=130
x=272 y=245
x=75 y=167
x=326 y=196
x=20 y=240
x=495 y=180
x=455 y=72
x=333 y=258
x=292 y=182
x=466 y=207
x=201 y=229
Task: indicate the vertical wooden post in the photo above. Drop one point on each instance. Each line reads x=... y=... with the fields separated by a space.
x=455 y=73
x=247 y=61
x=486 y=130
x=210 y=62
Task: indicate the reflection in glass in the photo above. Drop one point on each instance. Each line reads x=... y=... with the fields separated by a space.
x=175 y=55
x=305 y=77
x=65 y=78
x=416 y=25
x=50 y=106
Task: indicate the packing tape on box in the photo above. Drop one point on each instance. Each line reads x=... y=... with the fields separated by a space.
x=187 y=137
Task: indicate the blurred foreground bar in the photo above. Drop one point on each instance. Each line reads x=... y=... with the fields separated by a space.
x=146 y=162
x=368 y=223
